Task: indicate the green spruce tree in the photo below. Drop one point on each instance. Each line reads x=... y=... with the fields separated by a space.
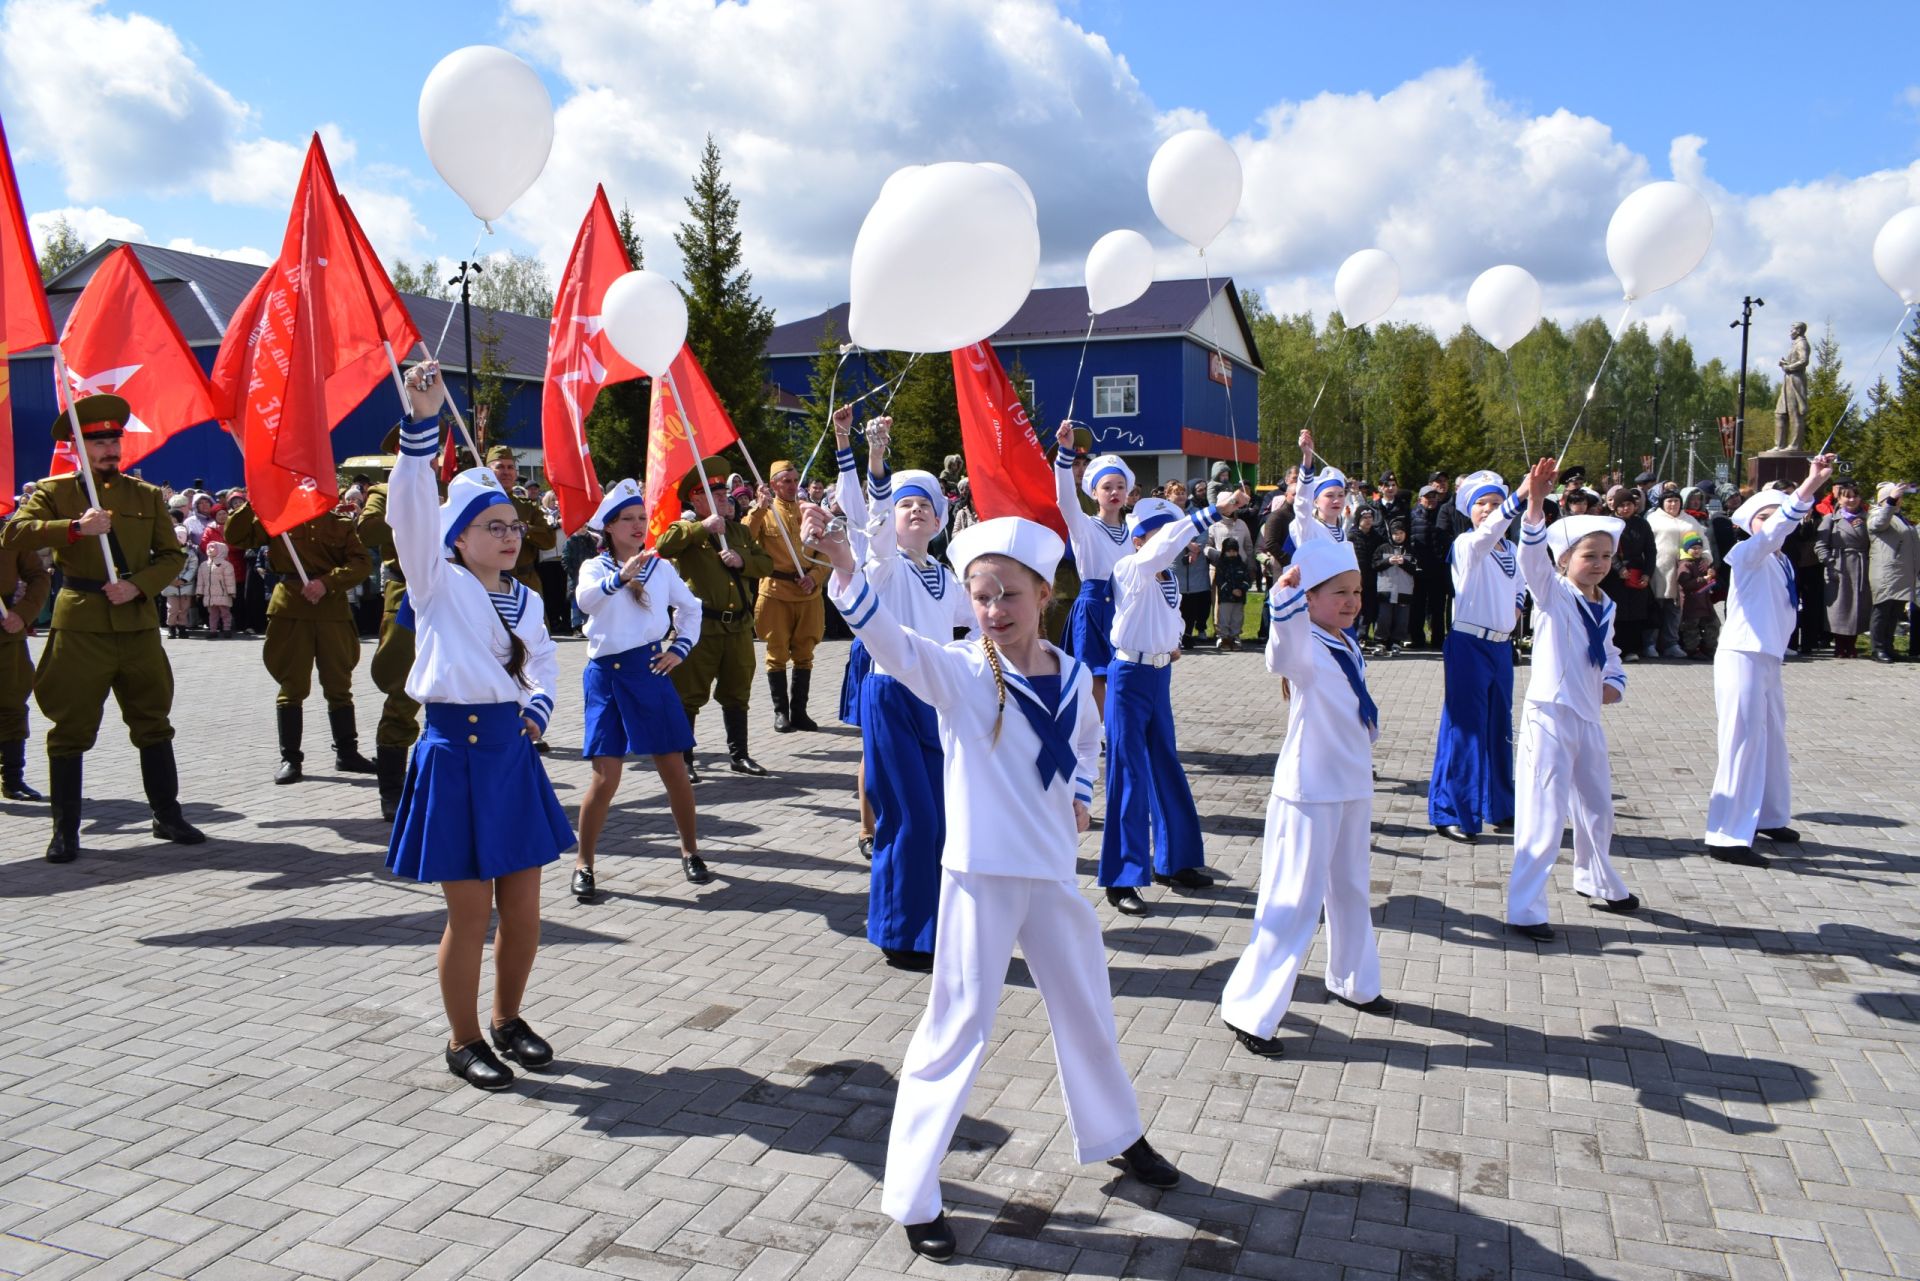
x=727 y=324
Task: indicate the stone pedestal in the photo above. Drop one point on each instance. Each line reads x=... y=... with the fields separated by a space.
x=1789 y=465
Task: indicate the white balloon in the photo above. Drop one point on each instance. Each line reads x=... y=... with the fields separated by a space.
x=487 y=123
x=1119 y=269
x=943 y=260
x=1658 y=235
x=1026 y=192
x=1503 y=305
x=1367 y=284
x=898 y=175
x=1896 y=254
x=645 y=319
x=1194 y=184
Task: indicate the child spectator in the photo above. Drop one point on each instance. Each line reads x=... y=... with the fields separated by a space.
x=1395 y=565
x=179 y=593
x=1232 y=580
x=1694 y=583
x=217 y=590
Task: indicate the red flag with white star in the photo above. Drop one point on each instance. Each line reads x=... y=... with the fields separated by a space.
x=580 y=361
x=120 y=338
x=685 y=423
x=24 y=320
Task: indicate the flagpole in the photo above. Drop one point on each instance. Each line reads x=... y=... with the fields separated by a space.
x=699 y=462
x=294 y=556
x=80 y=452
x=798 y=564
x=459 y=421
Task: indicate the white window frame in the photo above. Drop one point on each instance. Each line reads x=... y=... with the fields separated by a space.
x=1126 y=385
x=1025 y=388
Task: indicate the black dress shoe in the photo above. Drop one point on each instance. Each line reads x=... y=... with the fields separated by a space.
x=1885 y=658
x=583 y=889
x=1378 y=1005
x=693 y=771
x=475 y=1064
x=744 y=764
x=1454 y=832
x=541 y=746
x=696 y=870
x=1187 y=878
x=516 y=1041
x=1738 y=855
x=174 y=827
x=932 y=1240
x=1781 y=835
x=1126 y=900
x=1149 y=1166
x=902 y=959
x=866 y=848
x=1538 y=933
x=19 y=791
x=1631 y=903
x=1267 y=1047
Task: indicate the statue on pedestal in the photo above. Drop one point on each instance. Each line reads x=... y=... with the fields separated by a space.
x=1790 y=410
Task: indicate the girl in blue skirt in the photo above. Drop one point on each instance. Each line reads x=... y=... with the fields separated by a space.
x=477 y=814
x=853 y=506
x=632 y=708
x=1098 y=543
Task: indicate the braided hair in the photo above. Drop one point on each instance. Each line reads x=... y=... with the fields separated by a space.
x=992 y=652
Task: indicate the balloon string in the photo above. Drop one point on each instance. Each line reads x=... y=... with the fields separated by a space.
x=1233 y=429
x=1074 y=394
x=1513 y=385
x=894 y=382
x=833 y=390
x=1612 y=341
x=1905 y=316
x=452 y=305
x=1308 y=425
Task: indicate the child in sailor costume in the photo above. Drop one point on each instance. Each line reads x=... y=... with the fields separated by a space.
x=1315 y=850
x=1021 y=745
x=1472 y=784
x=1097 y=543
x=1752 y=790
x=1152 y=829
x=1563 y=767
x=853 y=508
x=1322 y=497
x=899 y=731
x=476 y=814
x=631 y=704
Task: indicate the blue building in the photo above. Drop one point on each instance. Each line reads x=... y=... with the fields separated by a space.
x=202 y=294
x=1153 y=390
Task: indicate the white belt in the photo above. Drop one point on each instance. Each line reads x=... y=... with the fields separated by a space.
x=1484 y=633
x=1145 y=660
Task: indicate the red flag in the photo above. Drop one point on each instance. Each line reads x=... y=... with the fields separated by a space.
x=580 y=361
x=120 y=338
x=302 y=353
x=1007 y=468
x=24 y=320
x=64 y=461
x=450 y=457
x=685 y=424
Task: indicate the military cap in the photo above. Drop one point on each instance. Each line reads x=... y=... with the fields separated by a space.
x=499 y=453
x=112 y=411
x=713 y=469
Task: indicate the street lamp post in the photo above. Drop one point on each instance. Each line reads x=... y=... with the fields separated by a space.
x=1745 y=326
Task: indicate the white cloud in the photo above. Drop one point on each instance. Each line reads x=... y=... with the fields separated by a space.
x=245 y=253
x=91 y=224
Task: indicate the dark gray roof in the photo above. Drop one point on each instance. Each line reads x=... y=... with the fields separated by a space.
x=203 y=292
x=1059 y=314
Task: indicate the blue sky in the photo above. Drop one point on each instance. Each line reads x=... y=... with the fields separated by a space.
x=1455 y=137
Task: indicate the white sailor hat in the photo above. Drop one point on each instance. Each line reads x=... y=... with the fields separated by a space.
x=468 y=494
x=1568 y=530
x=1472 y=489
x=1016 y=538
x=1106 y=465
x=1757 y=506
x=1328 y=478
x=926 y=485
x=1319 y=559
x=623 y=495
x=1150 y=514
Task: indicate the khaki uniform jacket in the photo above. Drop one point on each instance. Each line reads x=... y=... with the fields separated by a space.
x=328 y=548
x=142 y=530
x=377 y=537
x=542 y=536
x=721 y=590
x=17 y=567
x=782 y=581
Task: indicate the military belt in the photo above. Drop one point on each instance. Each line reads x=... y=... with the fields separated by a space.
x=84 y=584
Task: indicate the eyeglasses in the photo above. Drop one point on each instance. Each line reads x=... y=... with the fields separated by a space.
x=504 y=530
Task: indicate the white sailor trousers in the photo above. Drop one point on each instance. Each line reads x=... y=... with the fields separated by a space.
x=1314 y=855
x=1751 y=786
x=981 y=918
x=1563 y=771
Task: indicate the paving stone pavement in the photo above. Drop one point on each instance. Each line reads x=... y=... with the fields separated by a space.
x=223 y=1061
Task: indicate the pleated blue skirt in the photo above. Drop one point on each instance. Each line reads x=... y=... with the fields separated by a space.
x=477 y=804
x=1472 y=785
x=901 y=735
x=859 y=663
x=632 y=710
x=1089 y=631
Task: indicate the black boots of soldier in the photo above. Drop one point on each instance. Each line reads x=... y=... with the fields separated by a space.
x=63 y=780
x=802 y=680
x=161 y=777
x=346 y=742
x=788 y=717
x=288 y=717
x=13 y=773
x=735 y=720
x=777 y=691
x=390 y=764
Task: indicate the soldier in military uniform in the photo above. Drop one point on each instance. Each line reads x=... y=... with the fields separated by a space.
x=309 y=625
x=393 y=656
x=541 y=535
x=23 y=591
x=791 y=613
x=106 y=630
x=721 y=664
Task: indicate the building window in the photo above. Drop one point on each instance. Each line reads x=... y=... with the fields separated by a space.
x=1117 y=396
x=1025 y=388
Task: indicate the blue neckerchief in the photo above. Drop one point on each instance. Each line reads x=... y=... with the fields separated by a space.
x=1350 y=668
x=1596 y=616
x=1793 y=581
x=1055 y=731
